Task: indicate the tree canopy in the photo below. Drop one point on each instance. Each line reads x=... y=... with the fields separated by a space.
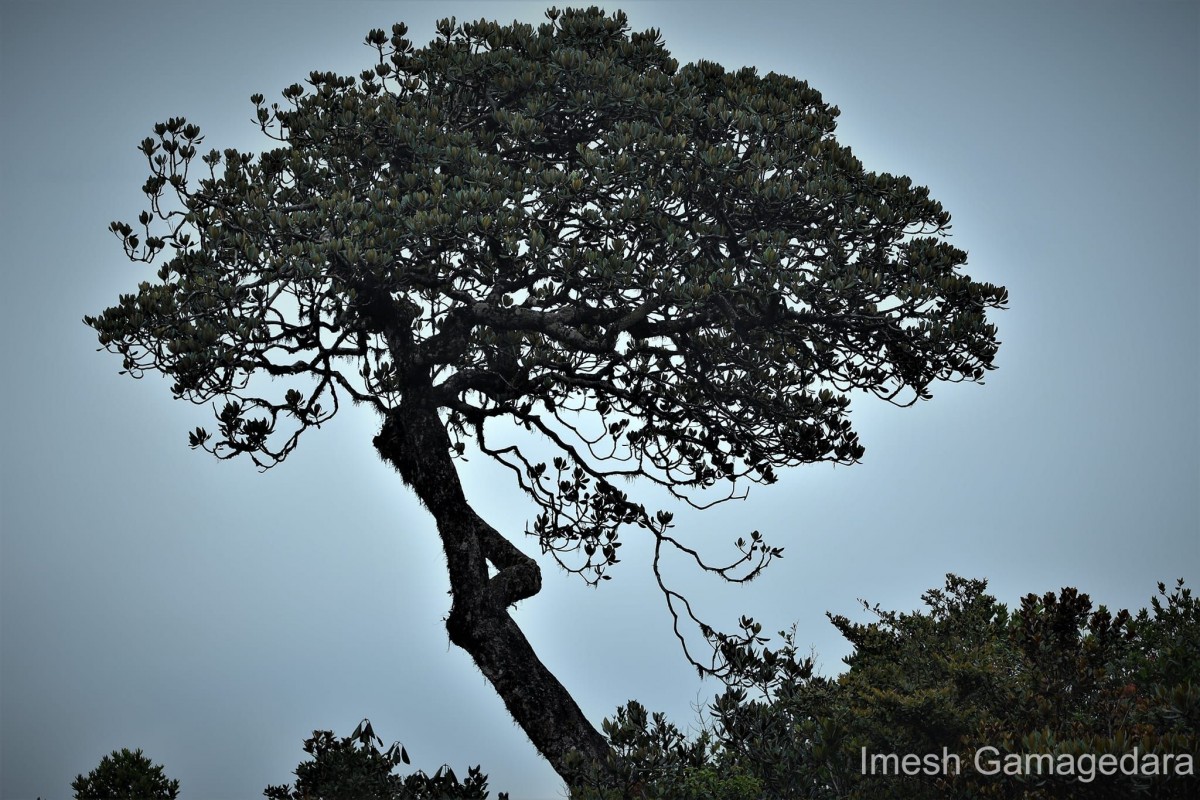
x=125 y=775
x=668 y=273
x=1057 y=677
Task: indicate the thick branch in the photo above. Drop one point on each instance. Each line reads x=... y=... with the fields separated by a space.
x=414 y=440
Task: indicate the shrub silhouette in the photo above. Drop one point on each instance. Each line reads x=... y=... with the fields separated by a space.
x=356 y=768
x=125 y=775
x=1055 y=676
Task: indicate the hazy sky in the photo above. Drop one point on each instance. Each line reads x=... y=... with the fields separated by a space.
x=153 y=597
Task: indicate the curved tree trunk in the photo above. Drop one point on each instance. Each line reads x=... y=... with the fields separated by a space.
x=414 y=440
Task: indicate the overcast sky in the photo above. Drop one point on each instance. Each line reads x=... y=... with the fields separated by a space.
x=153 y=597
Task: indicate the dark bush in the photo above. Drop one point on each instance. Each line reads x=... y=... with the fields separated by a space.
x=125 y=775
x=357 y=768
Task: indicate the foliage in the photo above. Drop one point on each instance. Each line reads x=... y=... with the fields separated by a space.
x=1054 y=676
x=125 y=775
x=355 y=768
x=651 y=758
x=672 y=273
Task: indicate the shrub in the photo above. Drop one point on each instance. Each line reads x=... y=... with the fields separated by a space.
x=356 y=768
x=125 y=775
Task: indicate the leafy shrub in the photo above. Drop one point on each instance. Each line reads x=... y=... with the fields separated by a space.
x=355 y=768
x=1055 y=676
x=125 y=775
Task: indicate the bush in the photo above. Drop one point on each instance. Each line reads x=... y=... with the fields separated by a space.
x=356 y=768
x=125 y=775
x=1056 y=676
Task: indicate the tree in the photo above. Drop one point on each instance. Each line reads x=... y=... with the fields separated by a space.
x=125 y=775
x=355 y=768
x=664 y=273
x=1056 y=676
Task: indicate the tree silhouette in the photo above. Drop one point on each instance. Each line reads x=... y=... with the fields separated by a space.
x=125 y=775
x=965 y=676
x=670 y=274
x=356 y=767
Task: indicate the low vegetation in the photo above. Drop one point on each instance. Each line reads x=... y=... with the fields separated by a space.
x=965 y=685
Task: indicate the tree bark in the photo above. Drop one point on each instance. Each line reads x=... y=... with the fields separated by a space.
x=414 y=440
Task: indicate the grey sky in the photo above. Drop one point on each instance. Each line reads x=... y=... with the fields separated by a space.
x=152 y=597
